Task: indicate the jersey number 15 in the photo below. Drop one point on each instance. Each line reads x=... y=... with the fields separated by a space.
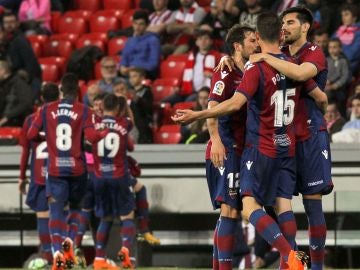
x=284 y=107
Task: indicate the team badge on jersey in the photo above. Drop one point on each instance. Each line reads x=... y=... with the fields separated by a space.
x=218 y=88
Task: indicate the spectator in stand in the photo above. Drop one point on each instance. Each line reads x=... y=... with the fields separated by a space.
x=142 y=50
x=16 y=97
x=249 y=15
x=198 y=70
x=185 y=21
x=21 y=55
x=349 y=35
x=321 y=13
x=357 y=89
x=160 y=18
x=333 y=118
x=350 y=132
x=35 y=16
x=197 y=131
x=321 y=38
x=279 y=6
x=109 y=74
x=141 y=105
x=338 y=74
x=218 y=20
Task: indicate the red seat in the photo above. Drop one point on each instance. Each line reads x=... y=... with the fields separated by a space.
x=85 y=14
x=178 y=57
x=184 y=105
x=111 y=13
x=204 y=3
x=92 y=5
x=54 y=22
x=37 y=38
x=10 y=134
x=97 y=35
x=126 y=19
x=116 y=45
x=165 y=111
x=170 y=68
x=100 y=23
x=163 y=88
x=116 y=4
x=50 y=72
x=65 y=36
x=88 y=41
x=167 y=134
x=59 y=61
x=72 y=25
x=61 y=48
x=37 y=48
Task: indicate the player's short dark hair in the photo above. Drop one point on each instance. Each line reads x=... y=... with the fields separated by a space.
x=122 y=103
x=99 y=96
x=141 y=15
x=304 y=14
x=269 y=26
x=356 y=96
x=50 y=92
x=237 y=33
x=111 y=103
x=353 y=9
x=337 y=40
x=69 y=84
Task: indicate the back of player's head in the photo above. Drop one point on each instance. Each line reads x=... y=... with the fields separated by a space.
x=100 y=96
x=111 y=103
x=49 y=92
x=268 y=26
x=304 y=14
x=122 y=103
x=236 y=34
x=69 y=85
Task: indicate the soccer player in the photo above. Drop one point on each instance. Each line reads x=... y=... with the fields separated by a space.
x=312 y=148
x=113 y=197
x=267 y=171
x=223 y=153
x=36 y=196
x=65 y=123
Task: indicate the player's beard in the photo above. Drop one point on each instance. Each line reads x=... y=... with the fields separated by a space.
x=290 y=39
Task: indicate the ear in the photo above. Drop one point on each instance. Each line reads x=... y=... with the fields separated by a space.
x=305 y=27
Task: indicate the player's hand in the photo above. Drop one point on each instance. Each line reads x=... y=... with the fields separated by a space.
x=257 y=57
x=217 y=153
x=184 y=116
x=22 y=186
x=225 y=61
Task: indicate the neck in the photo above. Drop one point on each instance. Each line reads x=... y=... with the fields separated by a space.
x=239 y=61
x=110 y=113
x=297 y=45
x=270 y=48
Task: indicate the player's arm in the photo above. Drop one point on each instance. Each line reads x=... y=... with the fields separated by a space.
x=217 y=152
x=24 y=158
x=296 y=72
x=90 y=133
x=317 y=94
x=224 y=108
x=36 y=126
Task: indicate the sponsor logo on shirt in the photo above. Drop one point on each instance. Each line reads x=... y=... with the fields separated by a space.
x=282 y=140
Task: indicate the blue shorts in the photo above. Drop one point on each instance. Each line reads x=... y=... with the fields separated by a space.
x=67 y=189
x=89 y=197
x=113 y=197
x=223 y=183
x=266 y=178
x=313 y=161
x=132 y=181
x=36 y=197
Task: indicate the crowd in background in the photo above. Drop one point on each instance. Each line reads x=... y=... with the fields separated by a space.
x=161 y=29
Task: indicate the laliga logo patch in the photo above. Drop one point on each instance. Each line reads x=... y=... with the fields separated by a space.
x=218 y=88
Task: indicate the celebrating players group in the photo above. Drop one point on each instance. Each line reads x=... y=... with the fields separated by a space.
x=268 y=142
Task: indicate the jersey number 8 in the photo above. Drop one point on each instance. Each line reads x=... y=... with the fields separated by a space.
x=63 y=137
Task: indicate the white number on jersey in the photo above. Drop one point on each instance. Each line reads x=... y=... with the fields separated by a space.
x=63 y=137
x=232 y=183
x=283 y=104
x=111 y=143
x=41 y=152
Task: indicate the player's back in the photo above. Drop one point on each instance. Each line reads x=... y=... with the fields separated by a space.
x=64 y=123
x=271 y=105
x=110 y=152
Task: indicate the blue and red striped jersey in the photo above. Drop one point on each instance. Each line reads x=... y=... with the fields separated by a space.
x=65 y=122
x=37 y=150
x=308 y=114
x=231 y=127
x=272 y=100
x=110 y=159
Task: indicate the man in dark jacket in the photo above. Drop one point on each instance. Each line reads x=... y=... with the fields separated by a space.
x=16 y=97
x=21 y=55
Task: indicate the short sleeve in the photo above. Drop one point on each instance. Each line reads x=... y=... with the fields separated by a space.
x=315 y=56
x=250 y=81
x=220 y=84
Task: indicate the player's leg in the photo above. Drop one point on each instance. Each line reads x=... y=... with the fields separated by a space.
x=44 y=235
x=128 y=232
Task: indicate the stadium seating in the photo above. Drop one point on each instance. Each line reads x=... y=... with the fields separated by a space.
x=178 y=57
x=61 y=48
x=116 y=4
x=37 y=48
x=72 y=25
x=60 y=62
x=167 y=134
x=126 y=19
x=184 y=105
x=162 y=88
x=204 y=3
x=111 y=13
x=50 y=72
x=91 y=5
x=85 y=14
x=116 y=45
x=10 y=135
x=88 y=40
x=170 y=68
x=67 y=37
x=54 y=22
x=37 y=38
x=101 y=23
